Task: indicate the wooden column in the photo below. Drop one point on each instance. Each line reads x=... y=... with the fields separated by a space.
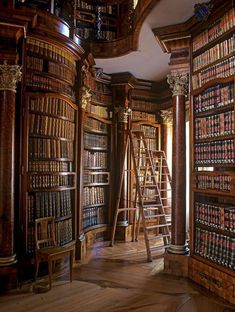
x=9 y=76
x=179 y=84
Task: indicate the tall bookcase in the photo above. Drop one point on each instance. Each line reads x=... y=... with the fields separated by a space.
x=95 y=201
x=49 y=139
x=213 y=159
x=96 y=22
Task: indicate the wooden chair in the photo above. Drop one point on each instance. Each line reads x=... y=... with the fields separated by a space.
x=46 y=249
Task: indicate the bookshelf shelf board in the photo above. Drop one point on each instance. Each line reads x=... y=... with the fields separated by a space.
x=96 y=184
x=215 y=138
x=63 y=218
x=212 y=43
x=52 y=189
x=95 y=168
x=211 y=192
x=95 y=205
x=219 y=110
x=53 y=95
x=46 y=90
x=212 y=82
x=99 y=103
x=90 y=130
x=49 y=158
x=215 y=164
x=94 y=227
x=95 y=91
x=106 y=121
x=94 y=148
x=46 y=58
x=211 y=228
x=49 y=137
x=53 y=173
x=53 y=76
x=51 y=115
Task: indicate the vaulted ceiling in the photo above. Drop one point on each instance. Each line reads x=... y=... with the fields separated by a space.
x=149 y=61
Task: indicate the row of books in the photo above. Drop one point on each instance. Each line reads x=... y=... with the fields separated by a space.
x=52 y=106
x=226 y=23
x=95 y=177
x=103 y=98
x=34 y=63
x=216 y=125
x=215 y=247
x=105 y=35
x=107 y=9
x=137 y=115
x=63 y=234
x=223 y=69
x=215 y=53
x=149 y=131
x=93 y=216
x=214 y=97
x=51 y=126
x=218 y=152
x=137 y=104
x=98 y=110
x=85 y=32
x=95 y=159
x=151 y=144
x=51 y=51
x=94 y=195
x=95 y=124
x=49 y=84
x=49 y=204
x=50 y=181
x=50 y=166
x=49 y=148
x=216 y=216
x=218 y=182
x=62 y=72
x=93 y=140
x=96 y=86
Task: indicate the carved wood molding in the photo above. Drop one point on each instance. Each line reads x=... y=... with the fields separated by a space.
x=10 y=75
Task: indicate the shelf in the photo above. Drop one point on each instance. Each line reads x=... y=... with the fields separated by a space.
x=95 y=168
x=212 y=82
x=95 y=227
x=44 y=90
x=212 y=43
x=216 y=138
x=215 y=229
x=51 y=115
x=106 y=121
x=53 y=76
x=90 y=130
x=211 y=112
x=93 y=148
x=49 y=137
x=59 y=173
x=95 y=205
x=50 y=159
x=95 y=184
x=53 y=189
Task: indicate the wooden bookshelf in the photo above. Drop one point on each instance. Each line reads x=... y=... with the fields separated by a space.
x=49 y=145
x=212 y=179
x=96 y=147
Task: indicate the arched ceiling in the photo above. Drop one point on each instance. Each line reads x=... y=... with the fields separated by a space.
x=149 y=62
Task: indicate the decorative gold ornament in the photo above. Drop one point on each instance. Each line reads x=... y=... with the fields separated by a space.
x=85 y=97
x=178 y=83
x=9 y=76
x=167 y=116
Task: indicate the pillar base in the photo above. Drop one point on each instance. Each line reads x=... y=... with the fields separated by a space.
x=176 y=264
x=6 y=261
x=178 y=249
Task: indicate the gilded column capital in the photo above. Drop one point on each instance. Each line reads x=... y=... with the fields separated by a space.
x=167 y=116
x=9 y=76
x=178 y=83
x=123 y=113
x=85 y=97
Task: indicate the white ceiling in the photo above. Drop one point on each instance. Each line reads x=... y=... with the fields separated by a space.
x=149 y=62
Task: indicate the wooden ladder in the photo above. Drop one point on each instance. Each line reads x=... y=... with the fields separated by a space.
x=148 y=205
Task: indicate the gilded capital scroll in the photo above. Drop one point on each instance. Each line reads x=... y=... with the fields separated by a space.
x=178 y=83
x=123 y=113
x=9 y=76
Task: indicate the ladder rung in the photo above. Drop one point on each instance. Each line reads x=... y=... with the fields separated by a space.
x=154 y=216
x=158 y=236
x=164 y=190
x=151 y=196
x=157 y=226
x=166 y=206
x=151 y=205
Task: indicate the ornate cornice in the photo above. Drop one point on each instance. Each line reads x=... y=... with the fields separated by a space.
x=167 y=116
x=85 y=97
x=9 y=76
x=178 y=83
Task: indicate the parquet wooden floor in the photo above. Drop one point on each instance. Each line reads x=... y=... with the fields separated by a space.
x=118 y=279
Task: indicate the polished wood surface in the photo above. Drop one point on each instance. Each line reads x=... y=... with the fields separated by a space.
x=118 y=279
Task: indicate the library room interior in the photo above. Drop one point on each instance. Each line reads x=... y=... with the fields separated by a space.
x=117 y=155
